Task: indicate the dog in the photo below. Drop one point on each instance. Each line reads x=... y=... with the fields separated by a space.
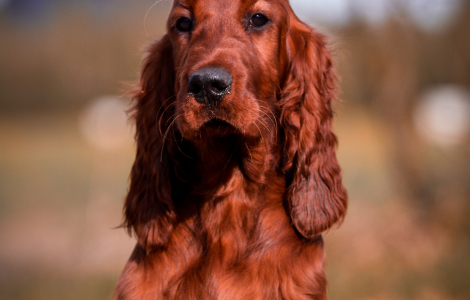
x=235 y=176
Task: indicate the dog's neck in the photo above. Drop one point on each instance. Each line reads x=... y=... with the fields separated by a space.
x=220 y=158
x=229 y=178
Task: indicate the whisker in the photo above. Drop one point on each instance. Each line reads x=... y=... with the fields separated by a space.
x=146 y=14
x=163 y=104
x=274 y=122
x=161 y=117
x=265 y=126
x=269 y=111
x=177 y=145
x=260 y=133
x=274 y=119
x=167 y=121
x=262 y=121
x=247 y=148
x=164 y=136
x=230 y=158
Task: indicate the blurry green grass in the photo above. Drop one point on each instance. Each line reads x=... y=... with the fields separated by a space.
x=44 y=161
x=48 y=174
x=43 y=157
x=39 y=287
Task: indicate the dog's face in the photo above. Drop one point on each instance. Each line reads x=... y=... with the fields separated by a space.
x=227 y=64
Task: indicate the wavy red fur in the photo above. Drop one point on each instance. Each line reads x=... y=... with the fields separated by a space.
x=228 y=199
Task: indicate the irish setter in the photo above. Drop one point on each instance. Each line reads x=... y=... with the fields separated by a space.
x=235 y=176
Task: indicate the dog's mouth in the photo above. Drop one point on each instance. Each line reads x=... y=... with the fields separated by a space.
x=217 y=123
x=218 y=127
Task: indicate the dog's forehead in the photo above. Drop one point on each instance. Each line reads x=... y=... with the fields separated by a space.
x=225 y=7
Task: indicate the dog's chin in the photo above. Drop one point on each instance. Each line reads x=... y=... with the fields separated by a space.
x=217 y=128
x=212 y=128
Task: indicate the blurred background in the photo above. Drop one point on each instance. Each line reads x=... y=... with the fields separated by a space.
x=66 y=147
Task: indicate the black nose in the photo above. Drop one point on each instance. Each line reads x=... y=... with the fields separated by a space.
x=209 y=85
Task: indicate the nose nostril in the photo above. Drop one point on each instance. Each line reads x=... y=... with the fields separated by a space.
x=218 y=86
x=194 y=88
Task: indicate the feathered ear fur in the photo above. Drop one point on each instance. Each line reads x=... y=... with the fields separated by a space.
x=148 y=209
x=316 y=197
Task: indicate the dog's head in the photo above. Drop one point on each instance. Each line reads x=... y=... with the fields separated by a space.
x=227 y=63
x=236 y=67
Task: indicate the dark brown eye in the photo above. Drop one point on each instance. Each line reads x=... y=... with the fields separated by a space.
x=184 y=25
x=258 y=20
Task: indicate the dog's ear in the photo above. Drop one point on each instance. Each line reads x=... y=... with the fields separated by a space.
x=316 y=197
x=149 y=210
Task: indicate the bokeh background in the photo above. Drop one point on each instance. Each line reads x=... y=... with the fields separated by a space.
x=66 y=147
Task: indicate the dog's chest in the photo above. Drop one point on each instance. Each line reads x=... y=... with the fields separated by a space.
x=272 y=264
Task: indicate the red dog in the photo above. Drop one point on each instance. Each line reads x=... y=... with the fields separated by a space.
x=235 y=176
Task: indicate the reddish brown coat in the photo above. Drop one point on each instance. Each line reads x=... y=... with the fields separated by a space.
x=234 y=212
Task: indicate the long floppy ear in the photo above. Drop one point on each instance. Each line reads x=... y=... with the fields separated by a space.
x=316 y=197
x=148 y=209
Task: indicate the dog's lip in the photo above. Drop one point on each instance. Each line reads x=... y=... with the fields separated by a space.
x=218 y=127
x=217 y=123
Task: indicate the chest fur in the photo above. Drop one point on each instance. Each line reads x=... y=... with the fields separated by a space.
x=245 y=258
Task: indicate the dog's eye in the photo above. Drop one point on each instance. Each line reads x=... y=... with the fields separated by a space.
x=258 y=20
x=184 y=25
